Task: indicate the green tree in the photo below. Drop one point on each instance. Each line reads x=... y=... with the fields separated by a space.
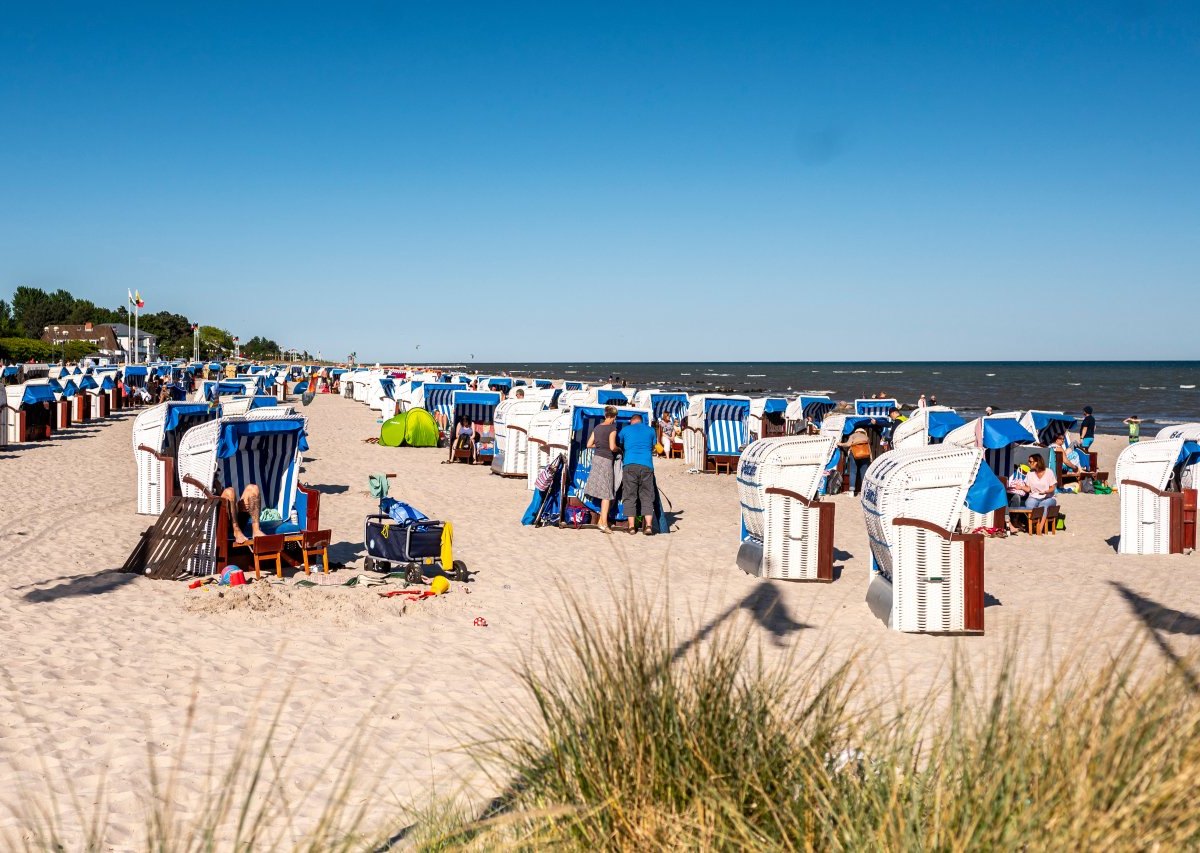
x=31 y=310
x=215 y=342
x=260 y=348
x=8 y=328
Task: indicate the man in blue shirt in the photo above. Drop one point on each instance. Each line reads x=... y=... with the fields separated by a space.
x=637 y=474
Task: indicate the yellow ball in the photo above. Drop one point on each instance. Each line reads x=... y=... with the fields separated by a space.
x=439 y=585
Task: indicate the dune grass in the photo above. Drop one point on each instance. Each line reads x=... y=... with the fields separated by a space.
x=640 y=742
x=639 y=748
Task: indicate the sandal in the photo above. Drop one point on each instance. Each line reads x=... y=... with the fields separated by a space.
x=604 y=529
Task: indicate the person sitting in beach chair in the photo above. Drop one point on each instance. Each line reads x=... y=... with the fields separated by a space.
x=244 y=508
x=464 y=439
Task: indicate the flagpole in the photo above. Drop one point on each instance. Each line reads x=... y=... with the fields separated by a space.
x=137 y=344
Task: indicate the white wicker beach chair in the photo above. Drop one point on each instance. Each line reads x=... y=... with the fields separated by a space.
x=1155 y=518
x=772 y=410
x=549 y=435
x=512 y=437
x=715 y=433
x=926 y=577
x=1190 y=473
x=787 y=532
x=806 y=408
x=927 y=425
x=29 y=410
x=157 y=432
x=874 y=408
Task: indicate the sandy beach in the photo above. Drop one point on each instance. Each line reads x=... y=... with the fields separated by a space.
x=105 y=673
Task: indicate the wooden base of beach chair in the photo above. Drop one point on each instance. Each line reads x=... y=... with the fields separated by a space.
x=722 y=464
x=181 y=531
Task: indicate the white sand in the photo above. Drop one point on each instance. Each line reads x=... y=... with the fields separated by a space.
x=101 y=669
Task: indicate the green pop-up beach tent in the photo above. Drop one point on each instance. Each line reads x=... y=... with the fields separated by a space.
x=414 y=428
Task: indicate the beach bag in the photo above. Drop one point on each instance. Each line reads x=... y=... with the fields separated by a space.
x=544 y=478
x=577 y=515
x=1087 y=487
x=1101 y=488
x=860 y=451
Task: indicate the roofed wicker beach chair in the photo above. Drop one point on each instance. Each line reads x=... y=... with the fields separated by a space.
x=29 y=412
x=787 y=531
x=807 y=409
x=716 y=432
x=1189 y=474
x=512 y=420
x=261 y=448
x=927 y=576
x=480 y=408
x=927 y=425
x=157 y=432
x=1157 y=516
x=549 y=436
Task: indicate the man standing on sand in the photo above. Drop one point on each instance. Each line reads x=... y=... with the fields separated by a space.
x=637 y=475
x=1087 y=432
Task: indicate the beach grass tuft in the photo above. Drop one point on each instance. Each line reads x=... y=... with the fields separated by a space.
x=635 y=739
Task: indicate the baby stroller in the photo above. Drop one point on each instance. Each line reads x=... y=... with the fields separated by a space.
x=399 y=534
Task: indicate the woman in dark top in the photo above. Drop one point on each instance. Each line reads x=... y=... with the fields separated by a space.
x=601 y=481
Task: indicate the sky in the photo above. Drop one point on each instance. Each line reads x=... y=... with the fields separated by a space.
x=616 y=181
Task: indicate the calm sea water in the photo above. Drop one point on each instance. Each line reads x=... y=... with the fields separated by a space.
x=1160 y=392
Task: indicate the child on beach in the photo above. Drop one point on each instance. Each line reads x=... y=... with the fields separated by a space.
x=1135 y=428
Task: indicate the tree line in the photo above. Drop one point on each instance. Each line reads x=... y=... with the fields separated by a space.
x=31 y=310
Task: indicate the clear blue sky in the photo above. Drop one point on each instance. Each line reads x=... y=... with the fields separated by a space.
x=616 y=181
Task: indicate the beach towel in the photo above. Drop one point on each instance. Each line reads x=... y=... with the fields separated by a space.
x=379 y=486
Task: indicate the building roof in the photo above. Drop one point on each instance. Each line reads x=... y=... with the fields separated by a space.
x=123 y=330
x=101 y=335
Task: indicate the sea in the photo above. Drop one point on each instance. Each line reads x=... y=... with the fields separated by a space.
x=1159 y=392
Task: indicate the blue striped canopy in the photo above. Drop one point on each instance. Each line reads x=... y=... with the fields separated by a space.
x=37 y=394
x=261 y=402
x=135 y=370
x=187 y=415
x=852 y=423
x=86 y=383
x=500 y=383
x=388 y=387
x=1004 y=432
x=572 y=386
x=816 y=408
x=542 y=383
x=213 y=390
x=479 y=406
x=939 y=424
x=11 y=370
x=439 y=397
x=263 y=453
x=775 y=405
x=56 y=385
x=70 y=389
x=611 y=397
x=1050 y=425
x=725 y=426
x=875 y=408
x=675 y=405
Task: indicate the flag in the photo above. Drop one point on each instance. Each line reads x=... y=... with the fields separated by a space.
x=137 y=300
x=130 y=292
